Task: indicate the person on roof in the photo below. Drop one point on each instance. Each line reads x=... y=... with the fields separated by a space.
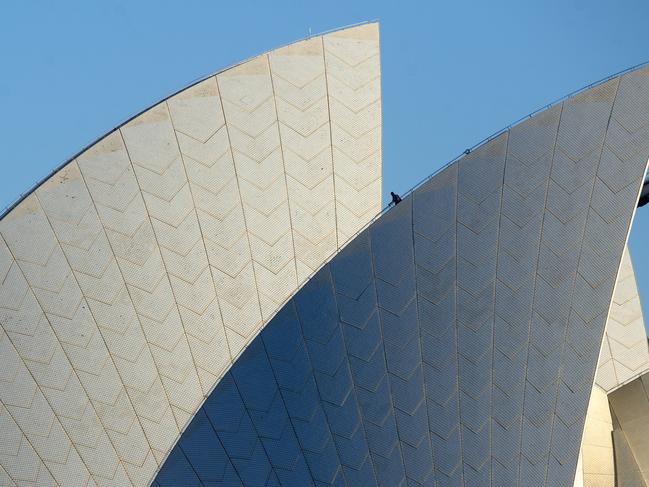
x=396 y=199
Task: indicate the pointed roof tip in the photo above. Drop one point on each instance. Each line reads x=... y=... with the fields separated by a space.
x=366 y=30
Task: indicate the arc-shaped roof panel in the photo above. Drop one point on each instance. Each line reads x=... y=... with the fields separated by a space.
x=135 y=276
x=456 y=340
x=624 y=357
x=625 y=352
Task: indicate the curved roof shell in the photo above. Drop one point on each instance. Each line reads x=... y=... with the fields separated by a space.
x=625 y=352
x=456 y=340
x=135 y=275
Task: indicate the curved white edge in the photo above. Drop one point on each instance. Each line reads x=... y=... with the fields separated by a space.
x=135 y=275
x=625 y=353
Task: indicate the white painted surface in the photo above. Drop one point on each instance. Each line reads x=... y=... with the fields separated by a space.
x=134 y=277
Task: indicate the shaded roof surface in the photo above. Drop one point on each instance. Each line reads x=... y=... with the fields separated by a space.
x=135 y=275
x=456 y=339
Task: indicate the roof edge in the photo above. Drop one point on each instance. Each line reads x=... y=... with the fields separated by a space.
x=22 y=196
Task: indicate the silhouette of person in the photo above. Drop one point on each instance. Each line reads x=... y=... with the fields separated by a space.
x=396 y=199
x=644 y=194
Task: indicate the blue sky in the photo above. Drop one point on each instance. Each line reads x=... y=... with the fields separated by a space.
x=453 y=72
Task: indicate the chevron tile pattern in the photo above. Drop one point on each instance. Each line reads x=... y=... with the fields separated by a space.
x=394 y=272
x=352 y=64
x=574 y=165
x=69 y=208
x=434 y=231
x=455 y=340
x=476 y=259
x=176 y=307
x=529 y=158
x=35 y=446
x=353 y=279
x=120 y=207
x=63 y=348
x=204 y=143
x=251 y=119
x=623 y=163
x=300 y=87
x=135 y=276
x=625 y=354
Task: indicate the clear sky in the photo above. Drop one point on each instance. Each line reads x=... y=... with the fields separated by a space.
x=453 y=72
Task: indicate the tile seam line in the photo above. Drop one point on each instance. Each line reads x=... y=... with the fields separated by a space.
x=39 y=387
x=494 y=220
x=608 y=343
x=191 y=465
x=456 y=322
x=630 y=226
x=278 y=392
x=635 y=374
x=419 y=332
x=11 y=478
x=303 y=340
x=254 y=427
x=281 y=151
x=11 y=205
x=493 y=320
x=346 y=359
x=385 y=360
x=331 y=141
x=202 y=235
x=257 y=331
x=137 y=315
x=627 y=381
x=536 y=268
x=220 y=440
x=262 y=323
x=4 y=405
x=98 y=329
x=353 y=380
x=418 y=184
x=148 y=217
x=574 y=287
x=286 y=409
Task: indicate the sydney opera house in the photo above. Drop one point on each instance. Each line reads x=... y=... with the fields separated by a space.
x=211 y=295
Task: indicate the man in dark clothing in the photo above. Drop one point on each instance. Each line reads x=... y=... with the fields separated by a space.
x=644 y=194
x=396 y=199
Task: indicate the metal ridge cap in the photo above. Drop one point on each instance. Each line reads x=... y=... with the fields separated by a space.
x=489 y=138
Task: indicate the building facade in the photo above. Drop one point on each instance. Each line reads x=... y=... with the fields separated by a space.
x=188 y=301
